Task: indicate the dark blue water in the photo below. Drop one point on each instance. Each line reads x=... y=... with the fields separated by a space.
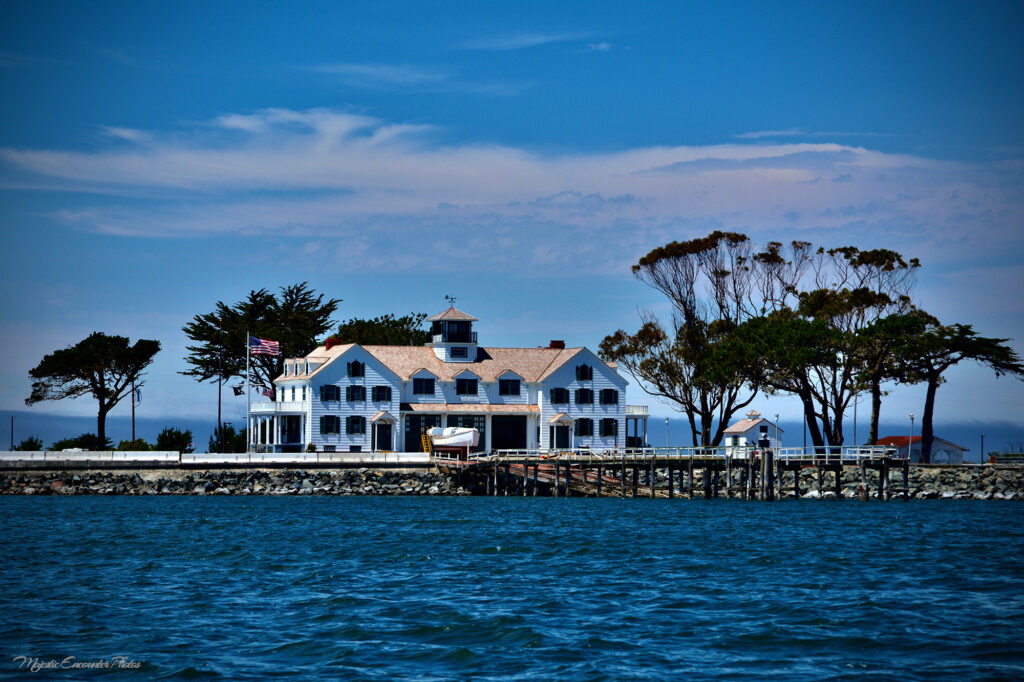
x=384 y=588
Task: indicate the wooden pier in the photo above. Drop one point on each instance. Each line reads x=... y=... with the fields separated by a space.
x=691 y=472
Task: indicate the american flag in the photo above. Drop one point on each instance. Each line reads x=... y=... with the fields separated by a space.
x=263 y=346
x=268 y=392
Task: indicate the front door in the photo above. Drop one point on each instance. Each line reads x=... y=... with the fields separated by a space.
x=559 y=436
x=382 y=436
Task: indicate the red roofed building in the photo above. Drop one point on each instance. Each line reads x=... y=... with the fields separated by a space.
x=943 y=452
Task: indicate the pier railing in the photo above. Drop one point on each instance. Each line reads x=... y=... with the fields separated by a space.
x=826 y=454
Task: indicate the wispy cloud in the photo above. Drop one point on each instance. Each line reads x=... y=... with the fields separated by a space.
x=116 y=54
x=382 y=74
x=330 y=175
x=520 y=41
x=797 y=132
x=406 y=77
x=11 y=60
x=599 y=47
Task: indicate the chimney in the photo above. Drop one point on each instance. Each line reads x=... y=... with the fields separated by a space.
x=331 y=343
x=556 y=343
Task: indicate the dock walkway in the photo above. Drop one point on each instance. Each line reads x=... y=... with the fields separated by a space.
x=747 y=473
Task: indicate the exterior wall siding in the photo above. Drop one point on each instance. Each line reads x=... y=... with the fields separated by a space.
x=336 y=374
x=604 y=377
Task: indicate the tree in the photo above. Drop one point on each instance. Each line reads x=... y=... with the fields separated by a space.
x=386 y=330
x=879 y=347
x=295 y=319
x=825 y=300
x=708 y=282
x=31 y=443
x=174 y=440
x=926 y=356
x=105 y=367
x=86 y=441
x=138 y=445
x=234 y=441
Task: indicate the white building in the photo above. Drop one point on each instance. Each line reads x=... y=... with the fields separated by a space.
x=752 y=430
x=352 y=398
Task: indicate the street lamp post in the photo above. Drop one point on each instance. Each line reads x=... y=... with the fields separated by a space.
x=910 y=441
x=777 y=443
x=981 y=456
x=666 y=432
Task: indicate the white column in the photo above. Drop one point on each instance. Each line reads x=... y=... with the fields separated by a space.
x=487 y=427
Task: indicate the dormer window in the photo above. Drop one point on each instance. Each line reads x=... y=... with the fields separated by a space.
x=459 y=352
x=465 y=387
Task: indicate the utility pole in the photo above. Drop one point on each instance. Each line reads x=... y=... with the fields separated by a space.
x=12 y=434
x=981 y=456
x=666 y=432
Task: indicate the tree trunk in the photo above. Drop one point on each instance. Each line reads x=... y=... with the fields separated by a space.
x=927 y=435
x=876 y=408
x=101 y=425
x=812 y=420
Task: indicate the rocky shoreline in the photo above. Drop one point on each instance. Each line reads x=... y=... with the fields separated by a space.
x=230 y=482
x=925 y=482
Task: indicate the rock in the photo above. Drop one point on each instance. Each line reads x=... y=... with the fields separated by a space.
x=221 y=491
x=28 y=491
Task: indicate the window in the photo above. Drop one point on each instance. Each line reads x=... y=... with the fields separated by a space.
x=609 y=396
x=303 y=392
x=355 y=393
x=330 y=424
x=465 y=386
x=355 y=448
x=584 y=427
x=293 y=394
x=584 y=396
x=329 y=393
x=559 y=396
x=381 y=394
x=459 y=352
x=584 y=372
x=356 y=369
x=764 y=428
x=508 y=386
x=355 y=424
x=609 y=427
x=423 y=386
x=328 y=448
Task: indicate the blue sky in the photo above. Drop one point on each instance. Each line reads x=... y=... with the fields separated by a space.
x=155 y=159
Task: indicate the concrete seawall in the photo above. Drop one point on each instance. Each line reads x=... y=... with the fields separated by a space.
x=925 y=482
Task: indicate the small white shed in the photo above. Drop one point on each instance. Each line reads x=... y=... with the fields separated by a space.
x=750 y=431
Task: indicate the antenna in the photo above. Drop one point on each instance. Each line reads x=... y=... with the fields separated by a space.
x=451 y=300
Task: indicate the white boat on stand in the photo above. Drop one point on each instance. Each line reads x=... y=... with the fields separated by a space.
x=453 y=440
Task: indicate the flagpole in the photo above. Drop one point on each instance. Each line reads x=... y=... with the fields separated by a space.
x=133 y=414
x=248 y=398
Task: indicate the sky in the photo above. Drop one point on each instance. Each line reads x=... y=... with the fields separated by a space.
x=158 y=158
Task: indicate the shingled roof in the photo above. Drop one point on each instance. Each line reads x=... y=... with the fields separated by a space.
x=453 y=314
x=532 y=364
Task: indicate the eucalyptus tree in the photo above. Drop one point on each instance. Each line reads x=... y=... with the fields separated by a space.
x=708 y=282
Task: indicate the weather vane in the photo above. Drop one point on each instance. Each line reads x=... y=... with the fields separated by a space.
x=451 y=300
